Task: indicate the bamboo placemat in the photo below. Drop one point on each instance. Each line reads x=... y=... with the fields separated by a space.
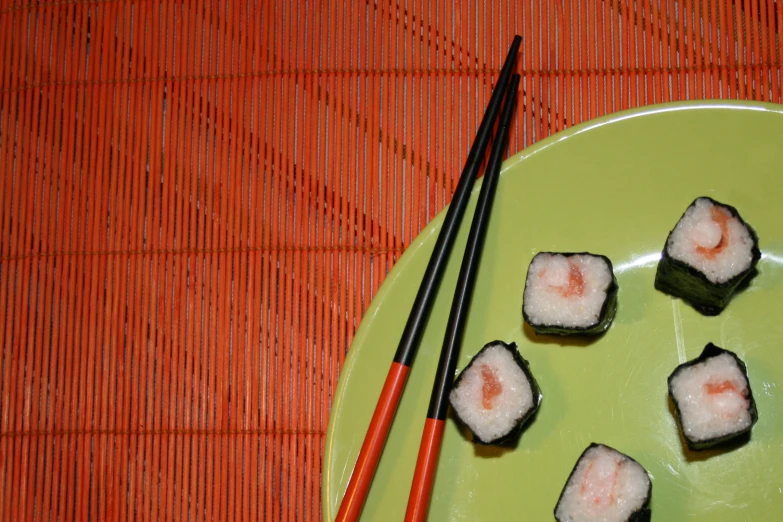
x=200 y=199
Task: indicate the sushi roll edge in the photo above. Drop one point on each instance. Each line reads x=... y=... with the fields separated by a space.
x=681 y=280
x=517 y=430
x=710 y=351
x=643 y=514
x=605 y=317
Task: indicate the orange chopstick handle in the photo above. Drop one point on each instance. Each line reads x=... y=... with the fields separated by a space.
x=423 y=477
x=363 y=472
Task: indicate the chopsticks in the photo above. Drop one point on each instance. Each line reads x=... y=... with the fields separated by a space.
x=426 y=463
x=378 y=430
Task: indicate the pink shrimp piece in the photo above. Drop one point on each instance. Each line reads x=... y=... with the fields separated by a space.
x=491 y=388
x=576 y=282
x=722 y=219
x=727 y=399
x=599 y=485
x=713 y=388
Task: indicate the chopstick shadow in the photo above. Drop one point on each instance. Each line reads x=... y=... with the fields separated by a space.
x=705 y=454
x=579 y=341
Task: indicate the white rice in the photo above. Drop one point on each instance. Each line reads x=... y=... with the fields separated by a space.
x=515 y=400
x=698 y=229
x=606 y=486
x=707 y=416
x=544 y=300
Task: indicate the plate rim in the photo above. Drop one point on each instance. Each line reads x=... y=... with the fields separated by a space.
x=434 y=225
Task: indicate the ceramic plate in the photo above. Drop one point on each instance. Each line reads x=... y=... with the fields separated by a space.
x=613 y=186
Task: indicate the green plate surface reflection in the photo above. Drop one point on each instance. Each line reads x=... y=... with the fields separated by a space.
x=614 y=186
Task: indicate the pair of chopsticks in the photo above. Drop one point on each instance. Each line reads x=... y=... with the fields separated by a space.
x=389 y=400
x=423 y=477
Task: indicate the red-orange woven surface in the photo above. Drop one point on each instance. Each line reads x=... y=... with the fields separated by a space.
x=200 y=199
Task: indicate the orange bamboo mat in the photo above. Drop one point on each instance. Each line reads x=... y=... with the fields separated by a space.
x=200 y=199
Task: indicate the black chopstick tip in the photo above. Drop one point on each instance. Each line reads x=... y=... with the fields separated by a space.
x=414 y=327
x=513 y=50
x=516 y=43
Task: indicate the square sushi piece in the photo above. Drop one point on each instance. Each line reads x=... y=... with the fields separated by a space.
x=707 y=256
x=605 y=486
x=495 y=395
x=712 y=397
x=569 y=294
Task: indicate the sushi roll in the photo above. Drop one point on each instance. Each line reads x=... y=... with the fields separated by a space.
x=568 y=293
x=707 y=256
x=605 y=486
x=712 y=397
x=495 y=395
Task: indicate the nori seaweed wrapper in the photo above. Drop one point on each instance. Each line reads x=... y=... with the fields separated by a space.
x=643 y=514
x=605 y=318
x=713 y=351
x=512 y=436
x=679 y=279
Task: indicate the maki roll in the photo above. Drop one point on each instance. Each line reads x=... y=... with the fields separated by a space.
x=495 y=395
x=605 y=486
x=567 y=294
x=712 y=397
x=707 y=256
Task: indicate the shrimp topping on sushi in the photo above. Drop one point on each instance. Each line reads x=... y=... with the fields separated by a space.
x=726 y=399
x=573 y=287
x=713 y=388
x=491 y=387
x=600 y=481
x=706 y=245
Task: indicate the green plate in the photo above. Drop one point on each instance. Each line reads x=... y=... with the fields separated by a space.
x=613 y=186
